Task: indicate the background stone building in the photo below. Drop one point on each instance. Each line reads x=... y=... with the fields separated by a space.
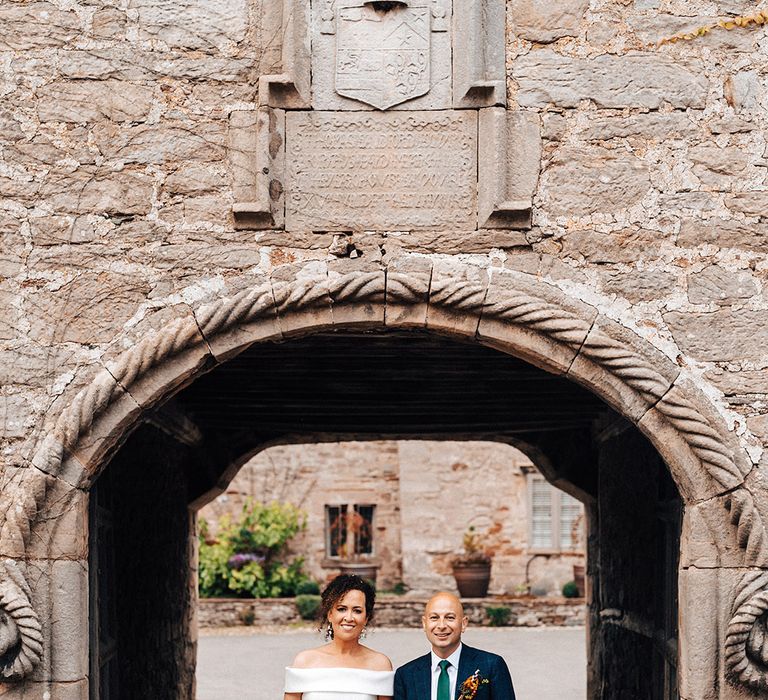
x=221 y=231
x=420 y=497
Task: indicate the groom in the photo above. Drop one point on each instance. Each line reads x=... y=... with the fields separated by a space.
x=451 y=665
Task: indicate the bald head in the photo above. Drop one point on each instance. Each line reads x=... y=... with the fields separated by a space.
x=445 y=598
x=444 y=621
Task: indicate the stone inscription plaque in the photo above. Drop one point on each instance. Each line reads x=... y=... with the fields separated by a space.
x=381 y=171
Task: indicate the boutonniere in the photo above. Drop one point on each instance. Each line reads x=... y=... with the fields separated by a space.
x=470 y=686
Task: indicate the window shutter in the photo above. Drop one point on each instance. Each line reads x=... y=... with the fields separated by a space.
x=570 y=510
x=541 y=514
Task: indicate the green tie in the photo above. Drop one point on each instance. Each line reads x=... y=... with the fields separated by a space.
x=443 y=684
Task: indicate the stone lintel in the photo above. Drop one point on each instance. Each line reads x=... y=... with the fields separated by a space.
x=509 y=157
x=479 y=75
x=257 y=156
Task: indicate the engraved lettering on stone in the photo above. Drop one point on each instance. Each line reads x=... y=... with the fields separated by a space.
x=382 y=58
x=381 y=171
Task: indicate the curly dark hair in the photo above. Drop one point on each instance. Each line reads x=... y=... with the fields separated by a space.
x=338 y=588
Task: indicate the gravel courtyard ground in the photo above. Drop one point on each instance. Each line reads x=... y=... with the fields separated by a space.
x=247 y=664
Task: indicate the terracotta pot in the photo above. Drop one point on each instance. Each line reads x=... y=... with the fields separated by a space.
x=362 y=569
x=472 y=580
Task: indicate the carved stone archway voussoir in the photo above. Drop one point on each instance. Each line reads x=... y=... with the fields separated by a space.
x=513 y=312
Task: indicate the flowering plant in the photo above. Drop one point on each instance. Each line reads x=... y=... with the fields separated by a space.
x=470 y=686
x=474 y=550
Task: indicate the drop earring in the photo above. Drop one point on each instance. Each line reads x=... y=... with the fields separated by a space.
x=329 y=633
x=364 y=633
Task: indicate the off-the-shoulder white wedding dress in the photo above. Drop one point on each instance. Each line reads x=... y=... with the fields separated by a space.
x=338 y=683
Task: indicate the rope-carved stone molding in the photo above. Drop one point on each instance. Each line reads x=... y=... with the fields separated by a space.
x=20 y=635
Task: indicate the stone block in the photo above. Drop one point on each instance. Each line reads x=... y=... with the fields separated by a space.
x=193 y=24
x=367 y=57
x=708 y=538
x=733 y=383
x=693 y=428
x=583 y=181
x=161 y=379
x=128 y=192
x=408 y=280
x=547 y=78
x=289 y=89
x=706 y=597
x=509 y=154
x=58 y=532
x=41 y=690
x=639 y=360
x=743 y=90
x=727 y=335
x=15 y=414
x=640 y=285
x=542 y=22
x=510 y=294
x=456 y=297
x=60 y=598
x=383 y=171
x=88 y=101
x=84 y=460
x=716 y=167
x=257 y=157
x=653 y=126
x=479 y=71
x=720 y=285
x=174 y=142
x=754 y=203
x=31 y=26
x=302 y=297
x=724 y=233
x=357 y=288
x=109 y=23
x=195 y=179
x=231 y=342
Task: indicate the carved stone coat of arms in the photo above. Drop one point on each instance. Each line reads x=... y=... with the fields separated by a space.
x=382 y=57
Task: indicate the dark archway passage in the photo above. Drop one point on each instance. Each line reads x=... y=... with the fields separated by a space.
x=328 y=386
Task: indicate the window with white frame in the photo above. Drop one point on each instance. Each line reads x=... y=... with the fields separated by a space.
x=555 y=518
x=349 y=530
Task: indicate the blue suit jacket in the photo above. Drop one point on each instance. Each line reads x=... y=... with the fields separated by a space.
x=413 y=680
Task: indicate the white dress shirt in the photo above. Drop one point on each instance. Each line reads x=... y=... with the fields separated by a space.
x=453 y=671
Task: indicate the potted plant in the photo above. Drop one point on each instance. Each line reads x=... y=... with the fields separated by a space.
x=472 y=568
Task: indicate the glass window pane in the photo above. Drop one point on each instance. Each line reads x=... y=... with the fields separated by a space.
x=362 y=526
x=336 y=530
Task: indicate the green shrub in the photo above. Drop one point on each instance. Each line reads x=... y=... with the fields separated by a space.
x=399 y=588
x=570 y=590
x=308 y=606
x=248 y=558
x=498 y=616
x=308 y=587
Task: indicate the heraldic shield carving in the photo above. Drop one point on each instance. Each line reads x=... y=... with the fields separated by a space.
x=382 y=57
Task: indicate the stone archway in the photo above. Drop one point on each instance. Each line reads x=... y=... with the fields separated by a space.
x=511 y=312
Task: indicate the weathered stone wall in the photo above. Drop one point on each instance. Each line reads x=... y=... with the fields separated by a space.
x=426 y=495
x=395 y=612
x=116 y=188
x=116 y=193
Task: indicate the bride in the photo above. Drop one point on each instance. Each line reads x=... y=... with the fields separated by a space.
x=342 y=669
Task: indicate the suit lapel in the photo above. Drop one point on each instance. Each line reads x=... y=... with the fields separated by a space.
x=466 y=667
x=424 y=677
